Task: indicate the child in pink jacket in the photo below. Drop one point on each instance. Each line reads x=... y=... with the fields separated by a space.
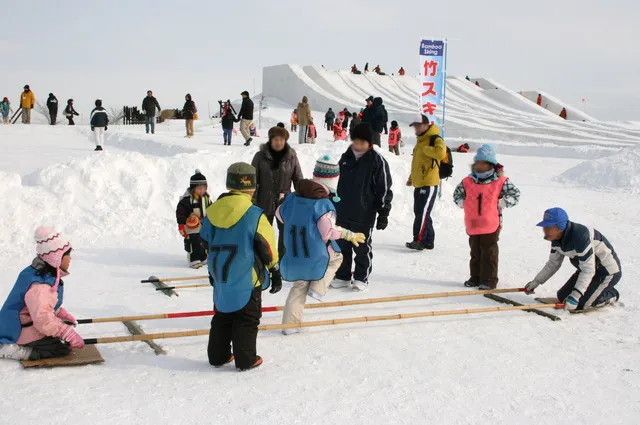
x=33 y=323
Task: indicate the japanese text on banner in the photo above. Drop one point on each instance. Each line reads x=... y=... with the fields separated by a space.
x=431 y=76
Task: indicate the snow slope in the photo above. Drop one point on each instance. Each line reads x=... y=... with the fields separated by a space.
x=498 y=368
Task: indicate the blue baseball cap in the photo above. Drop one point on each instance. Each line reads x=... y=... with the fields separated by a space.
x=555 y=217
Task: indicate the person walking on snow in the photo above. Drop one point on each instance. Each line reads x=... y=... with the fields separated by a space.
x=385 y=117
x=312 y=133
x=52 y=106
x=5 y=109
x=149 y=106
x=428 y=153
x=190 y=212
x=394 y=138
x=304 y=119
x=189 y=112
x=70 y=112
x=365 y=190
x=33 y=323
x=228 y=120
x=99 y=123
x=312 y=256
x=27 y=102
x=294 y=121
x=355 y=121
x=243 y=261
x=329 y=117
x=483 y=195
x=374 y=115
x=246 y=117
x=598 y=266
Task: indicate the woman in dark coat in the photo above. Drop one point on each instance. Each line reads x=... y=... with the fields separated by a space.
x=277 y=167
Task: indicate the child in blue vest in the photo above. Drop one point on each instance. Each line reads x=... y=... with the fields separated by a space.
x=5 y=109
x=243 y=260
x=311 y=255
x=33 y=323
x=190 y=212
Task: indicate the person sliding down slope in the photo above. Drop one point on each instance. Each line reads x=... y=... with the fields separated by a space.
x=190 y=212
x=312 y=256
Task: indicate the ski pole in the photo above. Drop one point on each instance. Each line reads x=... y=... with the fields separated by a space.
x=307 y=306
x=153 y=279
x=200 y=332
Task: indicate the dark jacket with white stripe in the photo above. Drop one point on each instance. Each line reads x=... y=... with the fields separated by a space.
x=589 y=252
x=364 y=189
x=99 y=117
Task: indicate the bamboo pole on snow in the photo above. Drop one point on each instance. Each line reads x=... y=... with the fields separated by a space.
x=309 y=306
x=174 y=279
x=201 y=332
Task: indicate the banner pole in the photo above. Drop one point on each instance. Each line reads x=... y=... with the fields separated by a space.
x=444 y=87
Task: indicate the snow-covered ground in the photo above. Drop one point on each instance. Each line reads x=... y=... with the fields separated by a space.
x=498 y=368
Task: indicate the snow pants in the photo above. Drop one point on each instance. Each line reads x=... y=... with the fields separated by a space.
x=26 y=116
x=193 y=246
x=294 y=307
x=483 y=265
x=600 y=289
x=424 y=199
x=244 y=128
x=329 y=125
x=239 y=328
x=98 y=132
x=363 y=259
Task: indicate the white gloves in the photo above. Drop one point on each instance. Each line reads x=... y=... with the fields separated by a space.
x=530 y=287
x=571 y=303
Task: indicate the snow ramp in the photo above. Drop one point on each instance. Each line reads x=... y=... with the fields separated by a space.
x=555 y=105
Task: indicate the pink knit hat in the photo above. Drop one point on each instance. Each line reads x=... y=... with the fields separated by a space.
x=51 y=246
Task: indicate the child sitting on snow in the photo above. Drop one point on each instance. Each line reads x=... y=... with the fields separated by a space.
x=33 y=323
x=339 y=133
x=483 y=195
x=253 y=132
x=311 y=255
x=394 y=138
x=312 y=134
x=190 y=212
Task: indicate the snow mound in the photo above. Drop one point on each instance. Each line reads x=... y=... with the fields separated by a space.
x=619 y=171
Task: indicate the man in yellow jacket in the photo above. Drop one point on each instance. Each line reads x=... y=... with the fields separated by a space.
x=27 y=102
x=430 y=150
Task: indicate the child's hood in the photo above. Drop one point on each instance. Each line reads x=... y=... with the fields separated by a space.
x=229 y=209
x=311 y=190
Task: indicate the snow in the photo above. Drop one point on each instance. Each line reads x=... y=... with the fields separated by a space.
x=118 y=207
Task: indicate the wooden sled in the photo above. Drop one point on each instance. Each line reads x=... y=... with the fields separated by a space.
x=87 y=355
x=504 y=300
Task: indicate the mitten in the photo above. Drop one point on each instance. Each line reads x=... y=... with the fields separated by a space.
x=182 y=230
x=355 y=238
x=66 y=316
x=530 y=287
x=276 y=280
x=382 y=223
x=68 y=334
x=105 y=128
x=571 y=303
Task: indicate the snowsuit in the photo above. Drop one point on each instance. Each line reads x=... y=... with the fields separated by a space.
x=192 y=205
x=338 y=132
x=329 y=117
x=483 y=202
x=294 y=121
x=365 y=192
x=242 y=247
x=27 y=102
x=99 y=124
x=308 y=210
x=425 y=178
x=246 y=117
x=52 y=106
x=33 y=315
x=70 y=112
x=189 y=111
x=598 y=266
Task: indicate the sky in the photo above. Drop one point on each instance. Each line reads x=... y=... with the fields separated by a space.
x=117 y=50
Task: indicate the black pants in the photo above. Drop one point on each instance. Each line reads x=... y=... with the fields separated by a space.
x=271 y=218
x=48 y=348
x=239 y=328
x=423 y=200
x=483 y=266
x=329 y=125
x=376 y=138
x=599 y=290
x=363 y=259
x=53 y=116
x=386 y=129
x=193 y=245
x=71 y=120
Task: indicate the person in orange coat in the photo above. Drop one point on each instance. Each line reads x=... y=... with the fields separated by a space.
x=539 y=100
x=401 y=71
x=563 y=113
x=464 y=148
x=294 y=121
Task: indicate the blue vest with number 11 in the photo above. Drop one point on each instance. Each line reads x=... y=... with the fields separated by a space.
x=306 y=255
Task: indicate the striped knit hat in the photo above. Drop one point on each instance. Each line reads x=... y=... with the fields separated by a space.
x=197 y=179
x=51 y=246
x=327 y=172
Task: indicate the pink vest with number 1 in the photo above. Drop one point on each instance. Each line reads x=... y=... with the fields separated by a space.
x=481 y=213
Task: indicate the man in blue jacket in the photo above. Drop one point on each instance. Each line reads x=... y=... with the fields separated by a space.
x=598 y=266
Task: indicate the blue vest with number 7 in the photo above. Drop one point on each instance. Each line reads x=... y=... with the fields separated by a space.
x=306 y=255
x=232 y=261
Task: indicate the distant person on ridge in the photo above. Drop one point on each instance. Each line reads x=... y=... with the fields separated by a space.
x=304 y=119
x=539 y=100
x=366 y=67
x=70 y=112
x=563 y=113
x=52 y=106
x=467 y=78
x=27 y=102
x=5 y=109
x=189 y=112
x=477 y=84
x=401 y=72
x=246 y=117
x=598 y=266
x=355 y=70
x=329 y=117
x=149 y=106
x=99 y=123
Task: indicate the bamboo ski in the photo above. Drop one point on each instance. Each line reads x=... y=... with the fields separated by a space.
x=201 y=332
x=308 y=306
x=153 y=279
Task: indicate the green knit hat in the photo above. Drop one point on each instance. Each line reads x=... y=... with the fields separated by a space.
x=241 y=176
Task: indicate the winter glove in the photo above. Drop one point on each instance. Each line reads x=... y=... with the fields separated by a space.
x=382 y=223
x=92 y=128
x=68 y=334
x=530 y=287
x=65 y=316
x=571 y=303
x=409 y=182
x=182 y=230
x=355 y=238
x=276 y=280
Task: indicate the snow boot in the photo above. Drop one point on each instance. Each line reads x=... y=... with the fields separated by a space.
x=339 y=283
x=248 y=142
x=471 y=284
x=416 y=246
x=195 y=264
x=290 y=331
x=608 y=302
x=429 y=246
x=484 y=287
x=253 y=366
x=359 y=285
x=231 y=358
x=98 y=148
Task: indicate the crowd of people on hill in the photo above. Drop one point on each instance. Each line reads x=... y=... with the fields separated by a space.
x=377 y=70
